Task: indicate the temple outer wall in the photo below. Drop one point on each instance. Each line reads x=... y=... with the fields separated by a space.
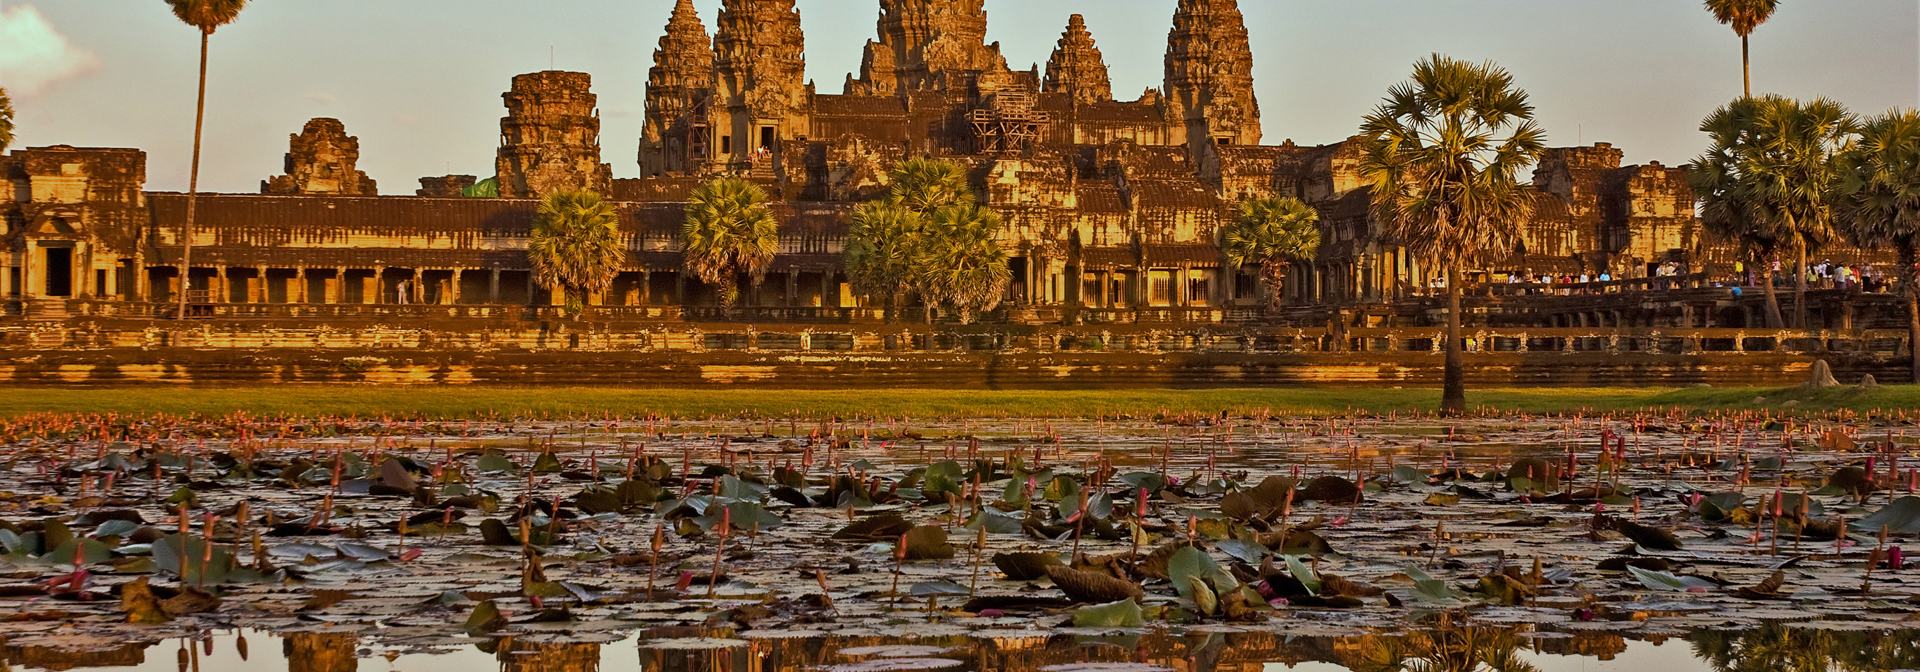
x=907 y=356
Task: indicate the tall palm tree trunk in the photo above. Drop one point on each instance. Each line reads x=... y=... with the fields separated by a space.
x=1800 y=290
x=193 y=183
x=1908 y=255
x=1746 y=65
x=1453 y=393
x=1774 y=320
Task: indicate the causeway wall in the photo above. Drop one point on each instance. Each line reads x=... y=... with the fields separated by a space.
x=85 y=352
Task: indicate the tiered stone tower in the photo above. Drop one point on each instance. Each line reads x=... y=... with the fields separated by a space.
x=1209 y=79
x=761 y=96
x=678 y=85
x=550 y=138
x=1077 y=68
x=321 y=160
x=928 y=45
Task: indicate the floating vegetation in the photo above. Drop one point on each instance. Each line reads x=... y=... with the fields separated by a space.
x=722 y=536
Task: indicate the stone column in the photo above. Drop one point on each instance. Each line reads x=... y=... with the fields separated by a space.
x=300 y=281
x=458 y=275
x=223 y=293
x=259 y=278
x=493 y=287
x=416 y=290
x=793 y=288
x=646 y=289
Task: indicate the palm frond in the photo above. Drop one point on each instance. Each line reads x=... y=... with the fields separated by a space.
x=728 y=232
x=1444 y=153
x=207 y=15
x=6 y=120
x=575 y=246
x=1744 y=16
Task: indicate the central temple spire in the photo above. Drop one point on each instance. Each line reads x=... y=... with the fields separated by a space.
x=1209 y=78
x=760 y=63
x=927 y=45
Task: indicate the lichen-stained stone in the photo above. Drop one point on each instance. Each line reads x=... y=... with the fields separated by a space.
x=322 y=160
x=680 y=81
x=550 y=138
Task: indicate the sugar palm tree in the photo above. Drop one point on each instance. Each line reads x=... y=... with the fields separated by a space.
x=729 y=233
x=1878 y=204
x=1444 y=153
x=575 y=247
x=961 y=262
x=1745 y=16
x=1767 y=178
x=882 y=243
x=6 y=120
x=206 y=16
x=1275 y=233
x=924 y=184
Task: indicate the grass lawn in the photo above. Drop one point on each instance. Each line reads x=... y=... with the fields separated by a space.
x=458 y=402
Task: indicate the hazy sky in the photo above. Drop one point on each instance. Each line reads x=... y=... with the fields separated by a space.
x=419 y=81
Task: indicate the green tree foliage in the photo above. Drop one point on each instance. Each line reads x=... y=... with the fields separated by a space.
x=1444 y=153
x=1877 y=202
x=1275 y=233
x=575 y=247
x=928 y=236
x=961 y=262
x=6 y=120
x=729 y=233
x=206 y=16
x=1744 y=16
x=882 y=241
x=1766 y=180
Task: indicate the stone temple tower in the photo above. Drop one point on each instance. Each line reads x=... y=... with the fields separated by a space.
x=1077 y=68
x=761 y=96
x=1209 y=79
x=674 y=137
x=322 y=160
x=928 y=45
x=550 y=138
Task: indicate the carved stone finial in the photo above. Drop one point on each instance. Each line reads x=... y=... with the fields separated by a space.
x=1077 y=68
x=322 y=160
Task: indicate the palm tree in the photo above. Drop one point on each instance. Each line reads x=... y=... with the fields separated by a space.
x=207 y=16
x=924 y=184
x=1878 y=202
x=1274 y=233
x=728 y=233
x=1765 y=181
x=1744 y=16
x=575 y=247
x=928 y=235
x=961 y=262
x=882 y=242
x=6 y=120
x=1444 y=152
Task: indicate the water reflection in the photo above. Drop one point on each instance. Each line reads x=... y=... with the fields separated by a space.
x=1443 y=647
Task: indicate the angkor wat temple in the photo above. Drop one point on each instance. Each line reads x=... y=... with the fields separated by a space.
x=1113 y=206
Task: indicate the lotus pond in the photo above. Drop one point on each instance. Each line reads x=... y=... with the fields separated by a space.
x=1732 y=541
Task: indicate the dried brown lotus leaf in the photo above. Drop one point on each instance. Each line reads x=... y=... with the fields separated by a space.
x=927 y=542
x=1024 y=566
x=1332 y=489
x=886 y=526
x=1092 y=587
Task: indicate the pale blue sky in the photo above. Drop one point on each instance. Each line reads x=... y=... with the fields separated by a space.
x=419 y=81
